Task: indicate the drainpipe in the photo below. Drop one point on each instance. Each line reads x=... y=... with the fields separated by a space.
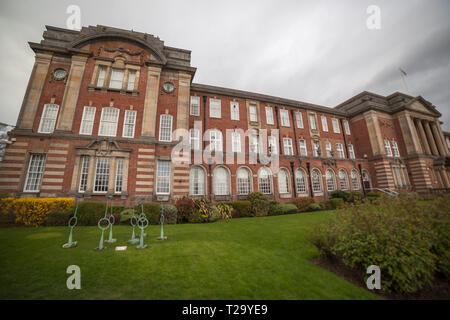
x=295 y=134
x=345 y=140
x=278 y=127
x=204 y=121
x=293 y=179
x=308 y=168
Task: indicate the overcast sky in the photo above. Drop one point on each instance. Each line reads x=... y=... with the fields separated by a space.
x=314 y=51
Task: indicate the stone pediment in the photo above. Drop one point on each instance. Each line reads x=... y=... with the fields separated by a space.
x=103 y=147
x=421 y=105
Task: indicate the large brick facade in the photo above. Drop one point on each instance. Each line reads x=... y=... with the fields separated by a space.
x=120 y=149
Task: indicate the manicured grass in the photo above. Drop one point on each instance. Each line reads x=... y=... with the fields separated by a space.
x=248 y=258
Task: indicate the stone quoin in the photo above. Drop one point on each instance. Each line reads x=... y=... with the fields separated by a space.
x=102 y=105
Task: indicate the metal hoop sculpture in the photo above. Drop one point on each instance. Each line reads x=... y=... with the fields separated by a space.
x=142 y=211
x=142 y=223
x=100 y=246
x=161 y=221
x=133 y=222
x=71 y=224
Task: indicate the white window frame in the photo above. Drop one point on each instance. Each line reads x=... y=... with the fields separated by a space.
x=301 y=181
x=395 y=149
x=324 y=123
x=299 y=119
x=287 y=147
x=84 y=173
x=253 y=112
x=343 y=180
x=197 y=181
x=284 y=115
x=234 y=110
x=163 y=181
x=236 y=142
x=303 y=148
x=129 y=123
x=35 y=171
x=351 y=151
x=265 y=185
x=346 y=127
x=131 y=79
x=101 y=76
x=244 y=185
x=355 y=180
x=387 y=147
x=87 y=120
x=215 y=108
x=215 y=140
x=316 y=147
x=118 y=181
x=335 y=123
x=328 y=149
x=330 y=180
x=114 y=83
x=110 y=124
x=48 y=118
x=105 y=171
x=269 y=116
x=312 y=121
x=195 y=106
x=317 y=186
x=194 y=139
x=222 y=189
x=272 y=143
x=340 y=150
x=254 y=143
x=283 y=182
x=165 y=127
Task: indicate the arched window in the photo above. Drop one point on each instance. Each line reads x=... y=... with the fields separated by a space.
x=283 y=181
x=300 y=180
x=244 y=181
x=221 y=185
x=316 y=181
x=355 y=181
x=264 y=181
x=343 y=179
x=331 y=180
x=366 y=180
x=197 y=181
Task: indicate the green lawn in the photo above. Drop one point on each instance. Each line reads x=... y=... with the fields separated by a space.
x=251 y=258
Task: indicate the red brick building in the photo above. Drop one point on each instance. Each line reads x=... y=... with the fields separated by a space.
x=107 y=111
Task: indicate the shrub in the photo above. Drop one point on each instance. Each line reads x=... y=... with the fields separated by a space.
x=259 y=204
x=339 y=194
x=314 y=207
x=4 y=195
x=116 y=209
x=185 y=207
x=214 y=215
x=203 y=207
x=170 y=213
x=224 y=210
x=194 y=217
x=34 y=211
x=303 y=203
x=89 y=212
x=241 y=208
x=59 y=218
x=354 y=196
x=408 y=240
x=152 y=211
x=7 y=216
x=336 y=203
x=287 y=208
x=274 y=208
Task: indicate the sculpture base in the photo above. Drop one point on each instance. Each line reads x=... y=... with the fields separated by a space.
x=98 y=249
x=133 y=241
x=70 y=245
x=111 y=241
x=141 y=247
x=164 y=238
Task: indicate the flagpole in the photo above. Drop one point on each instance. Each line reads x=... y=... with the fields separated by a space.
x=403 y=74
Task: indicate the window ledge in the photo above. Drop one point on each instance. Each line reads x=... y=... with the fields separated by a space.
x=134 y=92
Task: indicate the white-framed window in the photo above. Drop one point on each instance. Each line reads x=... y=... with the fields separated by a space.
x=131 y=79
x=197 y=181
x=163 y=177
x=273 y=149
x=303 y=149
x=269 y=116
x=351 y=151
x=244 y=186
x=328 y=149
x=312 y=122
x=299 y=119
x=116 y=80
x=265 y=180
x=316 y=147
x=340 y=150
x=316 y=181
x=101 y=181
x=129 y=123
x=35 y=172
x=195 y=106
x=101 y=76
x=395 y=148
x=215 y=140
x=236 y=142
x=300 y=181
x=48 y=119
x=221 y=182
x=284 y=114
x=324 y=123
x=343 y=180
x=254 y=143
x=119 y=175
x=84 y=173
x=234 y=110
x=215 y=108
x=108 y=122
x=287 y=144
x=253 y=113
x=355 y=180
x=87 y=120
x=165 y=128
x=387 y=147
x=283 y=181
x=194 y=139
x=331 y=181
x=346 y=127
x=335 y=123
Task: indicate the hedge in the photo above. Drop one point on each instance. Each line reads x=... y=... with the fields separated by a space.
x=152 y=211
x=336 y=203
x=90 y=212
x=259 y=204
x=241 y=209
x=303 y=203
x=279 y=209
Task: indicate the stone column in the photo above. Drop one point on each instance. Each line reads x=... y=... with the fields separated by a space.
x=151 y=101
x=375 y=136
x=112 y=176
x=423 y=137
x=409 y=134
x=34 y=91
x=91 y=174
x=445 y=178
x=184 y=86
x=437 y=137
x=71 y=93
x=431 y=139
